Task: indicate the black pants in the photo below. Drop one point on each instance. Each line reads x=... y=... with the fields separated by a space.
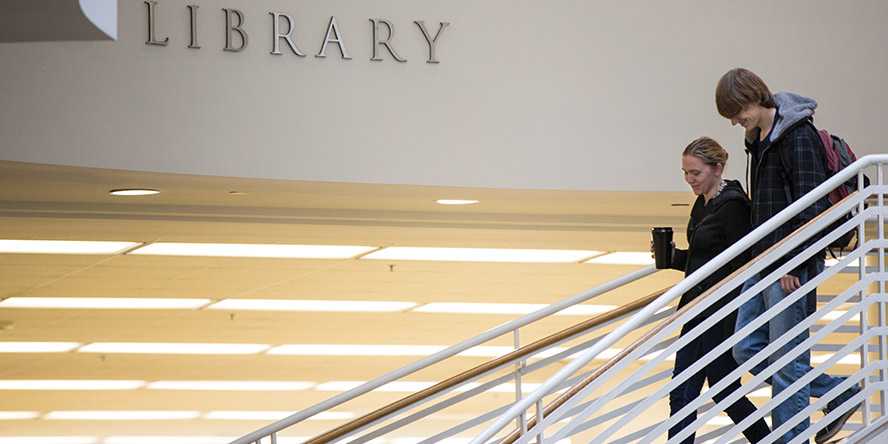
x=712 y=373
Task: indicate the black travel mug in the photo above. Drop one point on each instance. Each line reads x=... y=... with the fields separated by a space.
x=662 y=246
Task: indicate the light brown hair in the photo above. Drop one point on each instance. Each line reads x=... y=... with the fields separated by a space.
x=738 y=88
x=707 y=150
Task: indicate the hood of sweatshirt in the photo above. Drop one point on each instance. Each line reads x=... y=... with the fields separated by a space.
x=791 y=109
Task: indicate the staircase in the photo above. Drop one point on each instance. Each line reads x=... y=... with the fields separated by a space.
x=607 y=378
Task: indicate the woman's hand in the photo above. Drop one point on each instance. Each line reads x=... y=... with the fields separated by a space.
x=654 y=256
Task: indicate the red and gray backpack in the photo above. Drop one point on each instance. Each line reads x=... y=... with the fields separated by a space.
x=838 y=155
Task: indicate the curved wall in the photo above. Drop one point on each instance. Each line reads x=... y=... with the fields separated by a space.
x=527 y=94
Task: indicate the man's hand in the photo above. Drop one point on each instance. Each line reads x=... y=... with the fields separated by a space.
x=790 y=283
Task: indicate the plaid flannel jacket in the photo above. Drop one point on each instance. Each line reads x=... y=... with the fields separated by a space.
x=788 y=168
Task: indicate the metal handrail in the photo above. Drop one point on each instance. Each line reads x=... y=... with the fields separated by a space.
x=694 y=279
x=819 y=245
x=451 y=351
x=484 y=368
x=561 y=399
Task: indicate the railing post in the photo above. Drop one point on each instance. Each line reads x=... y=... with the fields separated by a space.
x=521 y=420
x=883 y=344
x=539 y=408
x=861 y=272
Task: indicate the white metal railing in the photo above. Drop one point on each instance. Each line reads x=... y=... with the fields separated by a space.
x=614 y=388
x=614 y=381
x=522 y=368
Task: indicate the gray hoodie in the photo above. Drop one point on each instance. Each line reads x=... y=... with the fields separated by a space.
x=791 y=108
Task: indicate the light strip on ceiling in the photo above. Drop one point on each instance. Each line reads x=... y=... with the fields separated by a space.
x=275 y=386
x=820 y=358
x=104 y=303
x=480 y=255
x=836 y=314
x=64 y=247
x=71 y=384
x=10 y=415
x=623 y=258
x=121 y=415
x=417 y=440
x=48 y=440
x=251 y=415
x=764 y=392
x=395 y=386
x=37 y=347
x=486 y=351
x=355 y=350
x=171 y=440
x=173 y=348
x=415 y=386
x=191 y=439
x=311 y=305
x=508 y=309
x=253 y=250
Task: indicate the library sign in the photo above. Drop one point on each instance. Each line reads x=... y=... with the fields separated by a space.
x=282 y=27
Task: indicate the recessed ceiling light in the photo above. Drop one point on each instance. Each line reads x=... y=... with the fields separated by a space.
x=63 y=247
x=121 y=415
x=276 y=386
x=48 y=440
x=623 y=258
x=173 y=348
x=480 y=254
x=457 y=201
x=355 y=350
x=310 y=305
x=134 y=192
x=37 y=347
x=104 y=303
x=72 y=384
x=253 y=250
x=6 y=416
x=508 y=309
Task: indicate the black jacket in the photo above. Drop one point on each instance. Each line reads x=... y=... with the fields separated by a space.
x=713 y=227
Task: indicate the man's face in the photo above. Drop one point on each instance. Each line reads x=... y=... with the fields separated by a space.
x=748 y=117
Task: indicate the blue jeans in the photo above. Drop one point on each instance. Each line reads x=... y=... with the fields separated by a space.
x=777 y=326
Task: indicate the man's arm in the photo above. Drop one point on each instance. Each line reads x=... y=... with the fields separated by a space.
x=806 y=171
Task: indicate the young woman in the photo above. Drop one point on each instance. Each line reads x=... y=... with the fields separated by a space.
x=719 y=218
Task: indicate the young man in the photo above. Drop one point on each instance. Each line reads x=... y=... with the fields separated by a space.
x=786 y=163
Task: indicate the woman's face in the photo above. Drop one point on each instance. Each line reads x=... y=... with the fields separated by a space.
x=701 y=177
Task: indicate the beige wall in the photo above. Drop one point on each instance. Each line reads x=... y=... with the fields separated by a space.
x=529 y=94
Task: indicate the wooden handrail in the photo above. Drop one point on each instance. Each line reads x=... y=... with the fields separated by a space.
x=481 y=369
x=561 y=399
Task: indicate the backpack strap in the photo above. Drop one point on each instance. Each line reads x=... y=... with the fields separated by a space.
x=784 y=174
x=825 y=141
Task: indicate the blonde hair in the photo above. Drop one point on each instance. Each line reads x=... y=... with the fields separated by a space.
x=707 y=150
